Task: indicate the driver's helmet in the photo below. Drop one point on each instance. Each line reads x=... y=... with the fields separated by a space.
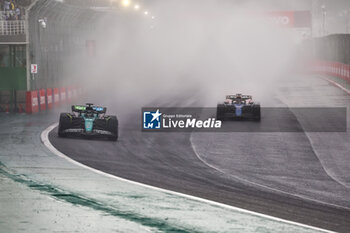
x=89 y=111
x=238 y=99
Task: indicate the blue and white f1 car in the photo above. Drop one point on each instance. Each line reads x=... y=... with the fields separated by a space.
x=88 y=120
x=238 y=107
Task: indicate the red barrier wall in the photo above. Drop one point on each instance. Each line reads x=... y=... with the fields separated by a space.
x=42 y=99
x=49 y=98
x=74 y=92
x=335 y=69
x=32 y=102
x=56 y=97
x=69 y=94
x=63 y=95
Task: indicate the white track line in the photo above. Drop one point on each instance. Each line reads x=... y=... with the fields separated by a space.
x=274 y=189
x=312 y=143
x=337 y=85
x=329 y=173
x=45 y=140
x=261 y=185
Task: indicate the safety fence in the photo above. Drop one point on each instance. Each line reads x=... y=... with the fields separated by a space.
x=12 y=27
x=334 y=69
x=37 y=100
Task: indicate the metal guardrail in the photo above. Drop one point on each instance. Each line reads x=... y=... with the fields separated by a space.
x=12 y=27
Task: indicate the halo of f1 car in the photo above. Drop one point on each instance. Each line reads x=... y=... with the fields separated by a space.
x=88 y=120
x=237 y=107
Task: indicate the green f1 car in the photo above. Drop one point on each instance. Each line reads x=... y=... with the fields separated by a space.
x=88 y=120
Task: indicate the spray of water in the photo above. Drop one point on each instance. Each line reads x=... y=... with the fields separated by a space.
x=193 y=49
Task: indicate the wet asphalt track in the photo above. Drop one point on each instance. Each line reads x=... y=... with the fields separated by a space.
x=277 y=174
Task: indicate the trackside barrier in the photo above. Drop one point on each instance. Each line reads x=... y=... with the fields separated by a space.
x=5 y=101
x=13 y=101
x=32 y=102
x=38 y=100
x=49 y=98
x=20 y=101
x=42 y=99
x=335 y=69
x=63 y=95
x=56 y=97
x=74 y=93
x=69 y=94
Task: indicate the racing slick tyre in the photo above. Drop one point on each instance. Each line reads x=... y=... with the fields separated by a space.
x=64 y=123
x=220 y=112
x=112 y=126
x=109 y=124
x=256 y=113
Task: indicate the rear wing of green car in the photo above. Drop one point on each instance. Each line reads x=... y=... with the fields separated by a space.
x=82 y=109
